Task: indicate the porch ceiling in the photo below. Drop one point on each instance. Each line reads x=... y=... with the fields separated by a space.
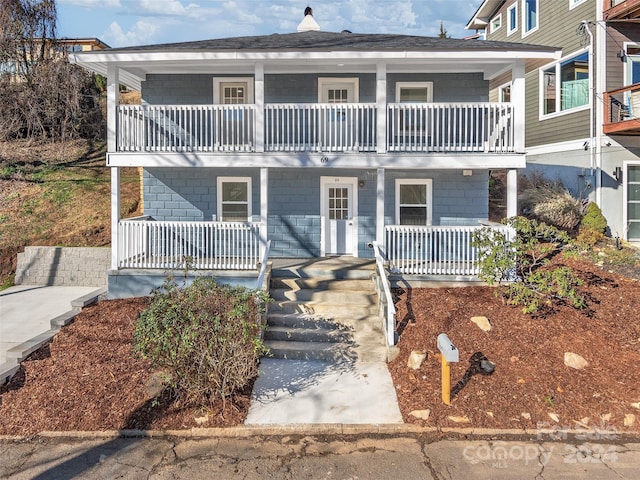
x=135 y=66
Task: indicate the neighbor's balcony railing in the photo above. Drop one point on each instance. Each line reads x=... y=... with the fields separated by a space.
x=621 y=9
x=433 y=250
x=421 y=128
x=145 y=243
x=622 y=110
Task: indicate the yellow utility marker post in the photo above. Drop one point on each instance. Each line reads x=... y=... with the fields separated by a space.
x=448 y=354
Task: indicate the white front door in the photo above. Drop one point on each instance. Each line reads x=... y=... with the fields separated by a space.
x=338 y=211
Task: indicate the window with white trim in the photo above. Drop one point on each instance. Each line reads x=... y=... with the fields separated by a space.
x=504 y=92
x=232 y=90
x=512 y=18
x=575 y=3
x=414 y=92
x=496 y=22
x=530 y=14
x=564 y=85
x=413 y=201
x=234 y=199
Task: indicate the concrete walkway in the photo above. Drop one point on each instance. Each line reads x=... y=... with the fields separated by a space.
x=307 y=391
x=27 y=313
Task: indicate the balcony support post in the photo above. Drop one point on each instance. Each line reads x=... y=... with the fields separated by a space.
x=381 y=108
x=518 y=101
x=115 y=215
x=380 y=207
x=512 y=193
x=264 y=208
x=113 y=95
x=258 y=131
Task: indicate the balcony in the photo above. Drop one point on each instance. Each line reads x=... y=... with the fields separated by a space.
x=621 y=9
x=622 y=111
x=345 y=128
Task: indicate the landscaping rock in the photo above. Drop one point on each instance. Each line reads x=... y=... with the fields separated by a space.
x=482 y=323
x=456 y=419
x=636 y=405
x=605 y=417
x=526 y=415
x=416 y=358
x=554 y=417
x=574 y=360
x=422 y=414
x=629 y=420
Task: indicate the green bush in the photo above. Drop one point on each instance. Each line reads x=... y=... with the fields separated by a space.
x=522 y=259
x=593 y=219
x=206 y=338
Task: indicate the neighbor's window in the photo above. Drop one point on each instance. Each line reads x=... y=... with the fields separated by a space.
x=512 y=18
x=504 y=92
x=496 y=23
x=530 y=10
x=234 y=199
x=565 y=84
x=413 y=202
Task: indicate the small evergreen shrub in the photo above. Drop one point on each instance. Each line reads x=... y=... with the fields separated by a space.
x=205 y=337
x=522 y=260
x=593 y=219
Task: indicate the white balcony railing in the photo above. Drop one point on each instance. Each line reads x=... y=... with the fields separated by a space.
x=420 y=128
x=433 y=250
x=450 y=127
x=196 y=245
x=320 y=127
x=186 y=128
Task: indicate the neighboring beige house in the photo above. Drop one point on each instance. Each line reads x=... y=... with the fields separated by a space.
x=582 y=113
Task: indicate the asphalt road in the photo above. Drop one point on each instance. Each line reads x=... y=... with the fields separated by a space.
x=402 y=456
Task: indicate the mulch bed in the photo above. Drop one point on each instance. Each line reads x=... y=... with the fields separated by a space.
x=530 y=380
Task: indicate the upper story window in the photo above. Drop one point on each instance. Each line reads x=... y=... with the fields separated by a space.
x=496 y=23
x=234 y=199
x=414 y=92
x=232 y=90
x=530 y=13
x=565 y=85
x=512 y=18
x=413 y=201
x=575 y=3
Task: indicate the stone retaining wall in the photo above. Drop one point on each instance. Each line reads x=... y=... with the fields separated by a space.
x=65 y=266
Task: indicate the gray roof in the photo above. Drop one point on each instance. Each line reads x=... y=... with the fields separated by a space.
x=321 y=41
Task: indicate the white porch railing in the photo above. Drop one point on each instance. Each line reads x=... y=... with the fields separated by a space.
x=320 y=127
x=433 y=250
x=385 y=299
x=450 y=127
x=200 y=245
x=185 y=128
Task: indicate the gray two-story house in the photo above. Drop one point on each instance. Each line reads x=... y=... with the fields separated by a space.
x=582 y=110
x=315 y=143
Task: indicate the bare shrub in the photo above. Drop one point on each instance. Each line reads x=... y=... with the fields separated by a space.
x=552 y=204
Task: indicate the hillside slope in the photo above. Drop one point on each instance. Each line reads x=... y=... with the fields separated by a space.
x=57 y=194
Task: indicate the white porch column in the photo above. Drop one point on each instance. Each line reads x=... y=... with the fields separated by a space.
x=518 y=102
x=381 y=108
x=115 y=215
x=264 y=208
x=512 y=193
x=113 y=98
x=380 y=207
x=259 y=105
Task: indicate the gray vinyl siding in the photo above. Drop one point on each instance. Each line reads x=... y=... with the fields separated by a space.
x=557 y=26
x=303 y=88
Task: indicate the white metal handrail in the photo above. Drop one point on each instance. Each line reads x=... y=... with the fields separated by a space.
x=320 y=127
x=194 y=245
x=388 y=309
x=433 y=250
x=450 y=127
x=185 y=128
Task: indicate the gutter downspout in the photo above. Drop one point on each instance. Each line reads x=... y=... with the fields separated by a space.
x=593 y=163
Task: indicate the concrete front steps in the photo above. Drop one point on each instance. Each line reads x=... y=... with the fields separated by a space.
x=325 y=310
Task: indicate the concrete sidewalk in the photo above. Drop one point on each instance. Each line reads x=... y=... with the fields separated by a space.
x=30 y=313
